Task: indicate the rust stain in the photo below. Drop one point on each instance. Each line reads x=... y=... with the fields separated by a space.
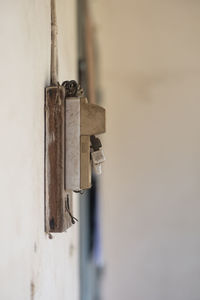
x=55 y=159
x=32 y=290
x=35 y=247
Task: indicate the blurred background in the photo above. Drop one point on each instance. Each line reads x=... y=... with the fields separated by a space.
x=143 y=62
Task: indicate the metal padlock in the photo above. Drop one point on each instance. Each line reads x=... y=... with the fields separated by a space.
x=97 y=159
x=97 y=154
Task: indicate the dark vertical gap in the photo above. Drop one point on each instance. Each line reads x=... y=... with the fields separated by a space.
x=92 y=217
x=65 y=136
x=45 y=167
x=89 y=277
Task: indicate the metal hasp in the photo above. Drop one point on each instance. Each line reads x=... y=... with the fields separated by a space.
x=70 y=121
x=57 y=199
x=82 y=121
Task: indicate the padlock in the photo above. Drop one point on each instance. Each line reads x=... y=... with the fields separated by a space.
x=97 y=159
x=97 y=154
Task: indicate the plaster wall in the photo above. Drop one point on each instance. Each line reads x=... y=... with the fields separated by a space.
x=31 y=265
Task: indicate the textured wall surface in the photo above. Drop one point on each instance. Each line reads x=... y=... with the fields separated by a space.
x=31 y=265
x=150 y=74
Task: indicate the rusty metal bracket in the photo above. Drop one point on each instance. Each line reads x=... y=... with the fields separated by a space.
x=57 y=219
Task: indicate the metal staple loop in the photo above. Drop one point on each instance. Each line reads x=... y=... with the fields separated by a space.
x=67 y=208
x=72 y=89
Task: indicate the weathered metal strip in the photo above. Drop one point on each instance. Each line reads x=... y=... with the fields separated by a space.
x=57 y=216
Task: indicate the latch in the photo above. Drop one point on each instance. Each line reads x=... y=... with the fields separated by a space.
x=72 y=148
x=83 y=121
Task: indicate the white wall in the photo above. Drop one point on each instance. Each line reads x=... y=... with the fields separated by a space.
x=31 y=265
x=150 y=75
